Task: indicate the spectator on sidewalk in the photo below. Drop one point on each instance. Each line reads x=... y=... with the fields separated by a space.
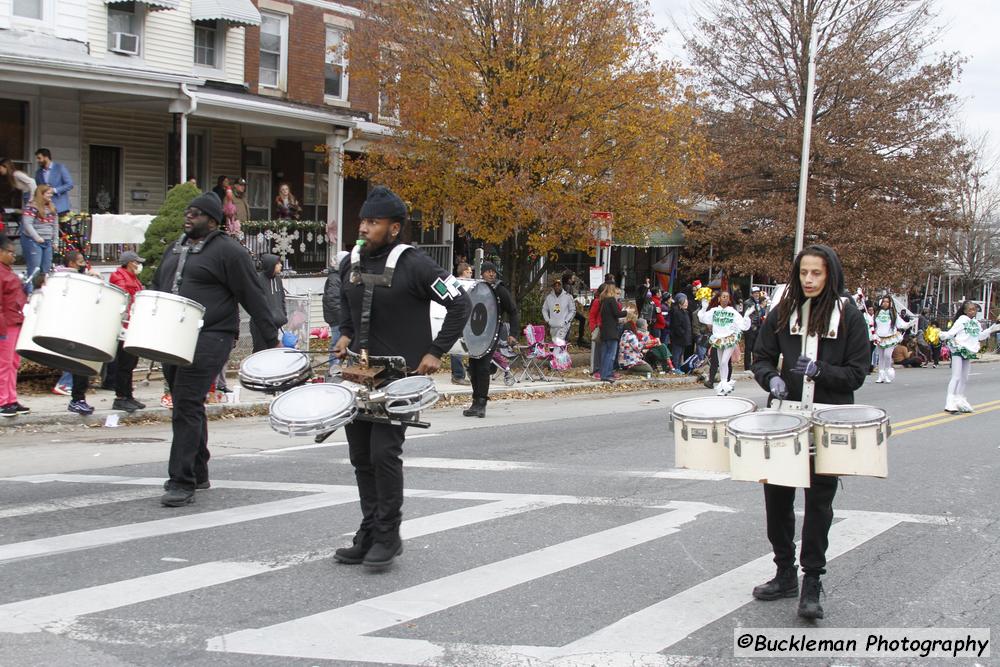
x=571 y=283
x=221 y=185
x=932 y=334
x=12 y=300
x=655 y=353
x=56 y=175
x=463 y=272
x=240 y=200
x=286 y=206
x=39 y=231
x=126 y=277
x=274 y=290
x=680 y=330
x=630 y=350
x=558 y=311
x=610 y=312
x=17 y=180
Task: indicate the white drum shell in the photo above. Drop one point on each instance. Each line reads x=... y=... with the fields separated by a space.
x=80 y=317
x=699 y=442
x=28 y=349
x=164 y=327
x=780 y=458
x=859 y=448
x=410 y=395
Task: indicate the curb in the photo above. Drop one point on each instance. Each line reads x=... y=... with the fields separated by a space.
x=260 y=407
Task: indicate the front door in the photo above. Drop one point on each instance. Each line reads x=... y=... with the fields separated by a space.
x=104 y=193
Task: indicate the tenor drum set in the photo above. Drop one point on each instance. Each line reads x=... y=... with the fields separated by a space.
x=75 y=321
x=730 y=435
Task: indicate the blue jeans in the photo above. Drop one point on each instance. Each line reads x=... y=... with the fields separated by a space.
x=36 y=256
x=457 y=369
x=334 y=337
x=678 y=357
x=608 y=351
x=66 y=379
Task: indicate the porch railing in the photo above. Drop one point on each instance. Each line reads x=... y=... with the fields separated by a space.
x=439 y=252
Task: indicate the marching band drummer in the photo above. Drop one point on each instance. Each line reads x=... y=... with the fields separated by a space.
x=840 y=368
x=386 y=311
x=209 y=267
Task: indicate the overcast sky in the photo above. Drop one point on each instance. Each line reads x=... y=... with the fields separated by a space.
x=970 y=28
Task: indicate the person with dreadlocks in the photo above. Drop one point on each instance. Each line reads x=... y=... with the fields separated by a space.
x=838 y=370
x=963 y=339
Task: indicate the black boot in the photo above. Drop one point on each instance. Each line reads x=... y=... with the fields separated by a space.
x=384 y=550
x=477 y=409
x=809 y=606
x=355 y=553
x=784 y=585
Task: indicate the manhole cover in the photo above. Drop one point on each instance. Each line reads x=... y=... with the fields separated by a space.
x=124 y=441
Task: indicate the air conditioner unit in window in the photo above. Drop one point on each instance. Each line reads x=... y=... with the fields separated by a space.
x=125 y=43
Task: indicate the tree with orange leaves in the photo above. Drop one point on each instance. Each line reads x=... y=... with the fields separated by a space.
x=518 y=118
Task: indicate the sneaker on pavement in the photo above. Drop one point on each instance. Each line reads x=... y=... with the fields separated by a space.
x=461 y=381
x=21 y=409
x=8 y=411
x=201 y=486
x=167 y=401
x=138 y=404
x=124 y=404
x=177 y=497
x=81 y=408
x=62 y=390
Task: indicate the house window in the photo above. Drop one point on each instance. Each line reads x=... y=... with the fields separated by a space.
x=273 y=49
x=124 y=28
x=314 y=191
x=388 y=101
x=207 y=49
x=335 y=79
x=28 y=9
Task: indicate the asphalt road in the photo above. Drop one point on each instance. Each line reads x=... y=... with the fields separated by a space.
x=556 y=531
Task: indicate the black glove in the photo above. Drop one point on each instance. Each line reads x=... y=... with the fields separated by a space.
x=778 y=388
x=806 y=366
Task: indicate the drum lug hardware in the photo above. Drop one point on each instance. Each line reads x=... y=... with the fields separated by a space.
x=671 y=422
x=826 y=439
x=879 y=437
x=684 y=432
x=798 y=446
x=888 y=430
x=715 y=433
x=725 y=442
x=767 y=450
x=736 y=447
x=854 y=439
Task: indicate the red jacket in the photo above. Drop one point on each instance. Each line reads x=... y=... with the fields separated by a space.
x=129 y=282
x=12 y=299
x=661 y=321
x=594 y=319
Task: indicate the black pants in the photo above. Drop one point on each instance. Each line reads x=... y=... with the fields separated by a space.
x=80 y=384
x=479 y=376
x=581 y=336
x=936 y=354
x=125 y=363
x=375 y=451
x=188 y=386
x=749 y=339
x=779 y=502
x=257 y=338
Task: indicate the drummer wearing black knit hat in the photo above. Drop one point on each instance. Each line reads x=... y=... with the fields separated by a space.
x=386 y=289
x=211 y=268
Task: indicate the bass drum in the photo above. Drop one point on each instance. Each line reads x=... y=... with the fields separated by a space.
x=482 y=329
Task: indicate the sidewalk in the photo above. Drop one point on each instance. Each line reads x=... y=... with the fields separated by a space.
x=51 y=409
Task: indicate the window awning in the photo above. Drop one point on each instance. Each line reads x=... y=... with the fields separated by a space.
x=234 y=12
x=151 y=5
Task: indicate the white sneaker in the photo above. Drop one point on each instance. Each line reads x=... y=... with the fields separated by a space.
x=730 y=386
x=881 y=377
x=963 y=404
x=890 y=374
x=720 y=389
x=951 y=404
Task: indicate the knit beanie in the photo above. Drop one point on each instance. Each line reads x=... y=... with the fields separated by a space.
x=488 y=266
x=641 y=324
x=680 y=298
x=210 y=205
x=383 y=203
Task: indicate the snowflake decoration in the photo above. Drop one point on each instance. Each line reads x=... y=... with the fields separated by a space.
x=302 y=247
x=284 y=244
x=309 y=237
x=320 y=238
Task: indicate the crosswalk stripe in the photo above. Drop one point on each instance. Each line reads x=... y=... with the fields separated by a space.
x=56 y=612
x=76 y=502
x=311 y=636
x=178 y=524
x=644 y=633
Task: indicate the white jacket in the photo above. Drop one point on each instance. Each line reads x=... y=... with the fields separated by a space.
x=966 y=333
x=725 y=321
x=558 y=310
x=885 y=327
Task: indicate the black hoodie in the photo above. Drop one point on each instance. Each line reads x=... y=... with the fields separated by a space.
x=843 y=361
x=273 y=288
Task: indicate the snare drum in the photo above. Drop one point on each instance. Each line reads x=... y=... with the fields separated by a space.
x=852 y=440
x=770 y=447
x=164 y=327
x=275 y=370
x=699 y=444
x=80 y=317
x=27 y=348
x=410 y=394
x=313 y=409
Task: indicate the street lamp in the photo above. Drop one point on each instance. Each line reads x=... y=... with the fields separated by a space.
x=800 y=212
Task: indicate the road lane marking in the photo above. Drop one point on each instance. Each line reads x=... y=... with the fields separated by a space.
x=645 y=633
x=77 y=502
x=945 y=420
x=55 y=613
x=101 y=537
x=312 y=636
x=936 y=415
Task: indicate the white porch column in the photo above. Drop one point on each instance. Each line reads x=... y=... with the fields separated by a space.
x=335 y=192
